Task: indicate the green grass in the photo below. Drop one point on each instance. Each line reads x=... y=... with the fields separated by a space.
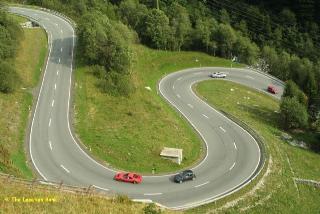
x=14 y=107
x=278 y=194
x=62 y=202
x=19 y=19
x=129 y=132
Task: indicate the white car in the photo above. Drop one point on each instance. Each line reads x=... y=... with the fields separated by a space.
x=218 y=75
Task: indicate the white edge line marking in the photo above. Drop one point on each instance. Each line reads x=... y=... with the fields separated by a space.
x=224 y=194
x=202 y=137
x=223 y=129
x=70 y=80
x=65 y=169
x=61 y=31
x=142 y=200
x=49 y=122
x=57 y=72
x=232 y=166
x=59 y=60
x=37 y=104
x=70 y=83
x=227 y=192
x=52 y=103
x=180 y=78
x=205 y=116
x=157 y=193
x=202 y=184
x=235 y=145
x=61 y=49
x=50 y=145
x=105 y=189
x=189 y=205
x=173 y=86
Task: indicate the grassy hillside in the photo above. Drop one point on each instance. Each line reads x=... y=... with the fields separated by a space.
x=14 y=108
x=16 y=198
x=278 y=193
x=129 y=132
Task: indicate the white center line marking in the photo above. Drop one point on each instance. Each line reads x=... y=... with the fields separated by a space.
x=57 y=72
x=56 y=24
x=61 y=31
x=202 y=184
x=50 y=145
x=222 y=129
x=180 y=78
x=173 y=86
x=249 y=77
x=178 y=95
x=50 y=122
x=52 y=103
x=65 y=168
x=59 y=60
x=232 y=166
x=61 y=49
x=158 y=193
x=235 y=146
x=191 y=106
x=55 y=86
x=205 y=116
x=100 y=188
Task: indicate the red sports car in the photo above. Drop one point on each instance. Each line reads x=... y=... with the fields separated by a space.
x=128 y=177
x=272 y=89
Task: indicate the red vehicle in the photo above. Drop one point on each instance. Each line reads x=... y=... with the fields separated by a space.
x=128 y=177
x=272 y=89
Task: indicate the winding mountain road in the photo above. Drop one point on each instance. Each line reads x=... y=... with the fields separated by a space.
x=232 y=157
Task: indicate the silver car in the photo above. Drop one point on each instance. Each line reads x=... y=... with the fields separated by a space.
x=218 y=75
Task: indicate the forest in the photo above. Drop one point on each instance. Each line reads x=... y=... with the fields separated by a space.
x=278 y=37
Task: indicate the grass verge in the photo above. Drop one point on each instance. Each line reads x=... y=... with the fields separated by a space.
x=278 y=193
x=15 y=107
x=17 y=198
x=129 y=132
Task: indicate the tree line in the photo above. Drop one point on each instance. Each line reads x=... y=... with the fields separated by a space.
x=10 y=35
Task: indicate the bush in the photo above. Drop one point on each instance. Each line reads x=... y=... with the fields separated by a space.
x=103 y=44
x=293 y=114
x=8 y=77
x=116 y=84
x=151 y=209
x=292 y=90
x=10 y=34
x=157 y=32
x=123 y=199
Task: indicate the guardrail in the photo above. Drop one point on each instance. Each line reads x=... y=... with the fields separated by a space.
x=268 y=75
x=52 y=186
x=73 y=23
x=307 y=182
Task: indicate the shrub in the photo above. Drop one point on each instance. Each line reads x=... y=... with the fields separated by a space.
x=293 y=114
x=8 y=77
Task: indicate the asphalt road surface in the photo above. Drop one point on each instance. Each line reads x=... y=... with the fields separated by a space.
x=232 y=156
